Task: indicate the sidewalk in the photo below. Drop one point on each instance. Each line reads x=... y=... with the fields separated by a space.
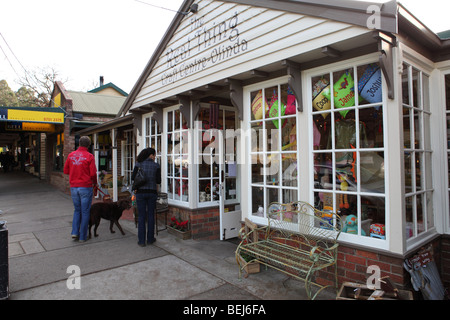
x=113 y=266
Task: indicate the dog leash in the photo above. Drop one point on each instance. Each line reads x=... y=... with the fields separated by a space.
x=105 y=196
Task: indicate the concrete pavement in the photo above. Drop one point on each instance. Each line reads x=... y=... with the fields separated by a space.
x=44 y=261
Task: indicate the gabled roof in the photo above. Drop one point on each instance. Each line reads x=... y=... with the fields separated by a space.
x=394 y=19
x=92 y=103
x=109 y=85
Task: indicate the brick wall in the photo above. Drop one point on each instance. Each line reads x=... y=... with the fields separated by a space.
x=445 y=260
x=204 y=223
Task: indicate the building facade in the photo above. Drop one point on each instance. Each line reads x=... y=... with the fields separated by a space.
x=339 y=104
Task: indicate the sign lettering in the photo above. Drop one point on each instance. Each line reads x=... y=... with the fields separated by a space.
x=206 y=45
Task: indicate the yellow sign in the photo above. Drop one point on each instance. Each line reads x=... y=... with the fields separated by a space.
x=30 y=126
x=57 y=100
x=35 y=116
x=34 y=126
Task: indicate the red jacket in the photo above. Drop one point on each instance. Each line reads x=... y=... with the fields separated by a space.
x=80 y=166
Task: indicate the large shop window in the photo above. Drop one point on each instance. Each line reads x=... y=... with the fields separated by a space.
x=417 y=151
x=273 y=151
x=177 y=157
x=348 y=148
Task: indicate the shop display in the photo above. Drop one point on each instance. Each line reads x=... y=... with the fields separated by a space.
x=377 y=230
x=370 y=84
x=290 y=105
x=321 y=96
x=257 y=106
x=351 y=225
x=343 y=93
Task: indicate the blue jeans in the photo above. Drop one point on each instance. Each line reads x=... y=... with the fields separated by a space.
x=146 y=205
x=82 y=200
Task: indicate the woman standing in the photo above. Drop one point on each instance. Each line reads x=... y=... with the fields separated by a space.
x=146 y=195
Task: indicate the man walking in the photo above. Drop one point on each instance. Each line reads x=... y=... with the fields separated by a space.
x=80 y=166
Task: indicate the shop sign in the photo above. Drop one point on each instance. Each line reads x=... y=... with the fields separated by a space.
x=30 y=126
x=21 y=115
x=207 y=43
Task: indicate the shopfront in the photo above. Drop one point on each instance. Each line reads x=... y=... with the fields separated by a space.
x=248 y=105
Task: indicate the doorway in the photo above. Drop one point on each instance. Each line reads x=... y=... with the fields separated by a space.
x=218 y=169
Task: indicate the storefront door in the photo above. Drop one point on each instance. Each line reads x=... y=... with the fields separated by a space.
x=218 y=174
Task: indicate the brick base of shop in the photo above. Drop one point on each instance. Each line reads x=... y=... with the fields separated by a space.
x=204 y=223
x=353 y=264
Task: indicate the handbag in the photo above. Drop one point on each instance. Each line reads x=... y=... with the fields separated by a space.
x=139 y=180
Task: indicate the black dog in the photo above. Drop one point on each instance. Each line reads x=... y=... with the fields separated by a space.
x=111 y=211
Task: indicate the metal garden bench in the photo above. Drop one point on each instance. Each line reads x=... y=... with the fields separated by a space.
x=299 y=240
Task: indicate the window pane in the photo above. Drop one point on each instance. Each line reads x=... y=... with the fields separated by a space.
x=259 y=105
x=323 y=171
x=322 y=131
x=273 y=102
x=343 y=90
x=419 y=166
x=408 y=170
x=415 y=86
x=372 y=171
x=321 y=100
x=345 y=131
x=405 y=84
x=346 y=171
x=257 y=169
x=371 y=127
x=409 y=232
x=420 y=213
x=258 y=201
x=406 y=128
x=373 y=217
x=370 y=84
x=273 y=195
x=289 y=167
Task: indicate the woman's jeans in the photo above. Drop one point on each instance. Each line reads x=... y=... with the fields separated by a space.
x=146 y=205
x=82 y=200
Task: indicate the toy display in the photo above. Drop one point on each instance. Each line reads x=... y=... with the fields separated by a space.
x=343 y=92
x=377 y=230
x=370 y=84
x=321 y=89
x=327 y=216
x=351 y=225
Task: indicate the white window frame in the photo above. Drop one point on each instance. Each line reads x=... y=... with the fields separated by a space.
x=125 y=157
x=186 y=154
x=247 y=192
x=424 y=66
x=366 y=241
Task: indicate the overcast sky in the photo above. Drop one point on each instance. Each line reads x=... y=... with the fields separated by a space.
x=86 y=39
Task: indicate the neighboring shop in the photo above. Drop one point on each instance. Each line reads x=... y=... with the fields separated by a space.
x=292 y=100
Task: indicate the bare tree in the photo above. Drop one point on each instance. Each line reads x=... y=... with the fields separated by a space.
x=40 y=83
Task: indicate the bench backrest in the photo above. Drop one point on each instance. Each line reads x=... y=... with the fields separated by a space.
x=300 y=219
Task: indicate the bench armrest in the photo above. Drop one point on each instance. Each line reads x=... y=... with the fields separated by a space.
x=317 y=251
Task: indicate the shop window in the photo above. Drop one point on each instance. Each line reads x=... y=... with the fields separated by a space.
x=273 y=148
x=128 y=156
x=177 y=157
x=152 y=133
x=348 y=147
x=417 y=152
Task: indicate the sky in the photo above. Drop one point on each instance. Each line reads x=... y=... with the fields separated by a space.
x=85 y=39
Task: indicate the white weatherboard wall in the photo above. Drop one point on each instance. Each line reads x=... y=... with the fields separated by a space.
x=224 y=39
